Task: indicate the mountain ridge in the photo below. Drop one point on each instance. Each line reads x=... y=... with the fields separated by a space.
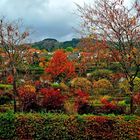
x=51 y=44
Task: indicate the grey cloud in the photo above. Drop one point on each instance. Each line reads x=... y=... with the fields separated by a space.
x=48 y=18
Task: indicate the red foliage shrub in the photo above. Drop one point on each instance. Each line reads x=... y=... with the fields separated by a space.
x=10 y=79
x=28 y=97
x=81 y=96
x=81 y=101
x=137 y=98
x=109 y=107
x=107 y=104
x=44 y=91
x=53 y=99
x=37 y=83
x=104 y=101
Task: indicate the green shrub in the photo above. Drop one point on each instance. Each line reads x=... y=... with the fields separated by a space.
x=115 y=67
x=122 y=103
x=69 y=49
x=127 y=100
x=137 y=84
x=138 y=75
x=35 y=69
x=6 y=87
x=124 y=85
x=101 y=73
x=55 y=85
x=68 y=127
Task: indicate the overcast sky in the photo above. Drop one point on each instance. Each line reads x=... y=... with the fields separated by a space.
x=47 y=18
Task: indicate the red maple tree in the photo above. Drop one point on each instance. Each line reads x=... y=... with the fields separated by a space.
x=60 y=67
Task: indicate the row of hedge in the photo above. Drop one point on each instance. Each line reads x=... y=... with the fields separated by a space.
x=68 y=127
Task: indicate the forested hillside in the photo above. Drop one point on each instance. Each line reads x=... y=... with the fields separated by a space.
x=51 y=44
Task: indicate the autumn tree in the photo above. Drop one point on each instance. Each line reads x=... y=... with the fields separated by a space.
x=96 y=54
x=119 y=25
x=12 y=43
x=85 y=61
x=60 y=67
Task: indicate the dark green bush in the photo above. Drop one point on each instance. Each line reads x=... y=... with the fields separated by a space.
x=138 y=74
x=7 y=126
x=115 y=67
x=5 y=98
x=35 y=69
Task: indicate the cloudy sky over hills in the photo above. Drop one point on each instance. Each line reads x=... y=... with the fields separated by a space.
x=47 y=18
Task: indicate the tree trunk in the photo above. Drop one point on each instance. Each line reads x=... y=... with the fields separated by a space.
x=131 y=96
x=15 y=93
x=14 y=89
x=131 y=104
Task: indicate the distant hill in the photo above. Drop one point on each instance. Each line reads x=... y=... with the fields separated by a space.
x=50 y=44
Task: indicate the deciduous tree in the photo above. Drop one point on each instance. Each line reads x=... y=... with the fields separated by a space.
x=12 y=41
x=60 y=67
x=119 y=25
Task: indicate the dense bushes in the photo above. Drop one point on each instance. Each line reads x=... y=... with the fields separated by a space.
x=102 y=87
x=81 y=83
x=64 y=127
x=110 y=107
x=46 y=98
x=27 y=97
x=124 y=85
x=115 y=67
x=101 y=73
x=5 y=98
x=72 y=101
x=52 y=99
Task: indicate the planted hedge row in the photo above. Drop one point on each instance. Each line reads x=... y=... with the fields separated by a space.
x=68 y=127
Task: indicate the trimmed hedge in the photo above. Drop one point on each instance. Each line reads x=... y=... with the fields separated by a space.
x=68 y=127
x=6 y=86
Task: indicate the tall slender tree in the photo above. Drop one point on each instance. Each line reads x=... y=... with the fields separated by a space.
x=12 y=43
